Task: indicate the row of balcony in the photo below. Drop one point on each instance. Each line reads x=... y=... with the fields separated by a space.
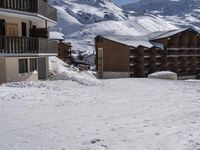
x=32 y=6
x=26 y=45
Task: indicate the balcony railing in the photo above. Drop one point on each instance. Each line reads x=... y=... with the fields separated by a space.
x=33 y=6
x=25 y=45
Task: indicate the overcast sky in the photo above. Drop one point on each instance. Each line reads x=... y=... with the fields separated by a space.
x=122 y=2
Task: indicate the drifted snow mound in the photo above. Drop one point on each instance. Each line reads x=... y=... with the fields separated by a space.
x=163 y=75
x=59 y=70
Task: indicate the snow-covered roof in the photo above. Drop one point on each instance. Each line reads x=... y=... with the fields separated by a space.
x=169 y=33
x=134 y=41
x=165 y=34
x=56 y=36
x=145 y=41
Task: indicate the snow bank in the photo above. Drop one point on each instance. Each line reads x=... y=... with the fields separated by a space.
x=163 y=75
x=59 y=70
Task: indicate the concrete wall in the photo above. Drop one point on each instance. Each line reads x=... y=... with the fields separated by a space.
x=12 y=70
x=9 y=70
x=43 y=68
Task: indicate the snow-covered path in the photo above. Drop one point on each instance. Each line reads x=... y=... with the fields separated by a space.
x=121 y=114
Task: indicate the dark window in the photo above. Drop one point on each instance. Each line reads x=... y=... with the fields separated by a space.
x=33 y=64
x=23 y=65
x=34 y=27
x=2 y=34
x=24 y=29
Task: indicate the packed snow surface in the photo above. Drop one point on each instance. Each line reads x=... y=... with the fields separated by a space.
x=120 y=114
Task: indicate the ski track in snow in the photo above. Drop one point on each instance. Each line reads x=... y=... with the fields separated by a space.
x=119 y=114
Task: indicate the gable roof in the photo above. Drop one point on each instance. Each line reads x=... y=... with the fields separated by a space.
x=147 y=40
x=133 y=41
x=166 y=34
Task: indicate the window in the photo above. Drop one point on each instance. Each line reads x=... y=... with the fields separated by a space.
x=33 y=64
x=23 y=65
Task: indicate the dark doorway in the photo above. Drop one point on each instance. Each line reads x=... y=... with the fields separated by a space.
x=24 y=33
x=2 y=27
x=2 y=34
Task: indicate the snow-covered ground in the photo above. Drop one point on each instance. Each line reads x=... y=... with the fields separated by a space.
x=120 y=114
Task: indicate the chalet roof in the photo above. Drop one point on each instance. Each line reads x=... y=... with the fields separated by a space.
x=165 y=34
x=145 y=41
x=133 y=41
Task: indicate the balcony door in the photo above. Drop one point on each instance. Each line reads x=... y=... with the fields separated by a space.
x=11 y=30
x=11 y=34
x=24 y=33
x=2 y=34
x=2 y=27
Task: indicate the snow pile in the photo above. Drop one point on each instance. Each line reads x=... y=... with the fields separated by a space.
x=59 y=70
x=163 y=75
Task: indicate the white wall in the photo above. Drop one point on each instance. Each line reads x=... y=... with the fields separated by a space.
x=12 y=70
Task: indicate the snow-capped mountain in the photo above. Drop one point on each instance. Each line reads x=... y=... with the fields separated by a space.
x=184 y=13
x=81 y=20
x=74 y=15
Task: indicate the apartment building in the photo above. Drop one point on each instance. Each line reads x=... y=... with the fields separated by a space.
x=128 y=56
x=24 y=44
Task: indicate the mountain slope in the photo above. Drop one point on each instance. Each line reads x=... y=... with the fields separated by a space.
x=75 y=14
x=135 y=26
x=184 y=13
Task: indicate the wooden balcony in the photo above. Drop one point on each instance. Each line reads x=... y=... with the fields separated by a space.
x=25 y=45
x=32 y=6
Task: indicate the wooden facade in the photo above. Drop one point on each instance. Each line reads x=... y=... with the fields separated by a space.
x=113 y=58
x=180 y=53
x=64 y=51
